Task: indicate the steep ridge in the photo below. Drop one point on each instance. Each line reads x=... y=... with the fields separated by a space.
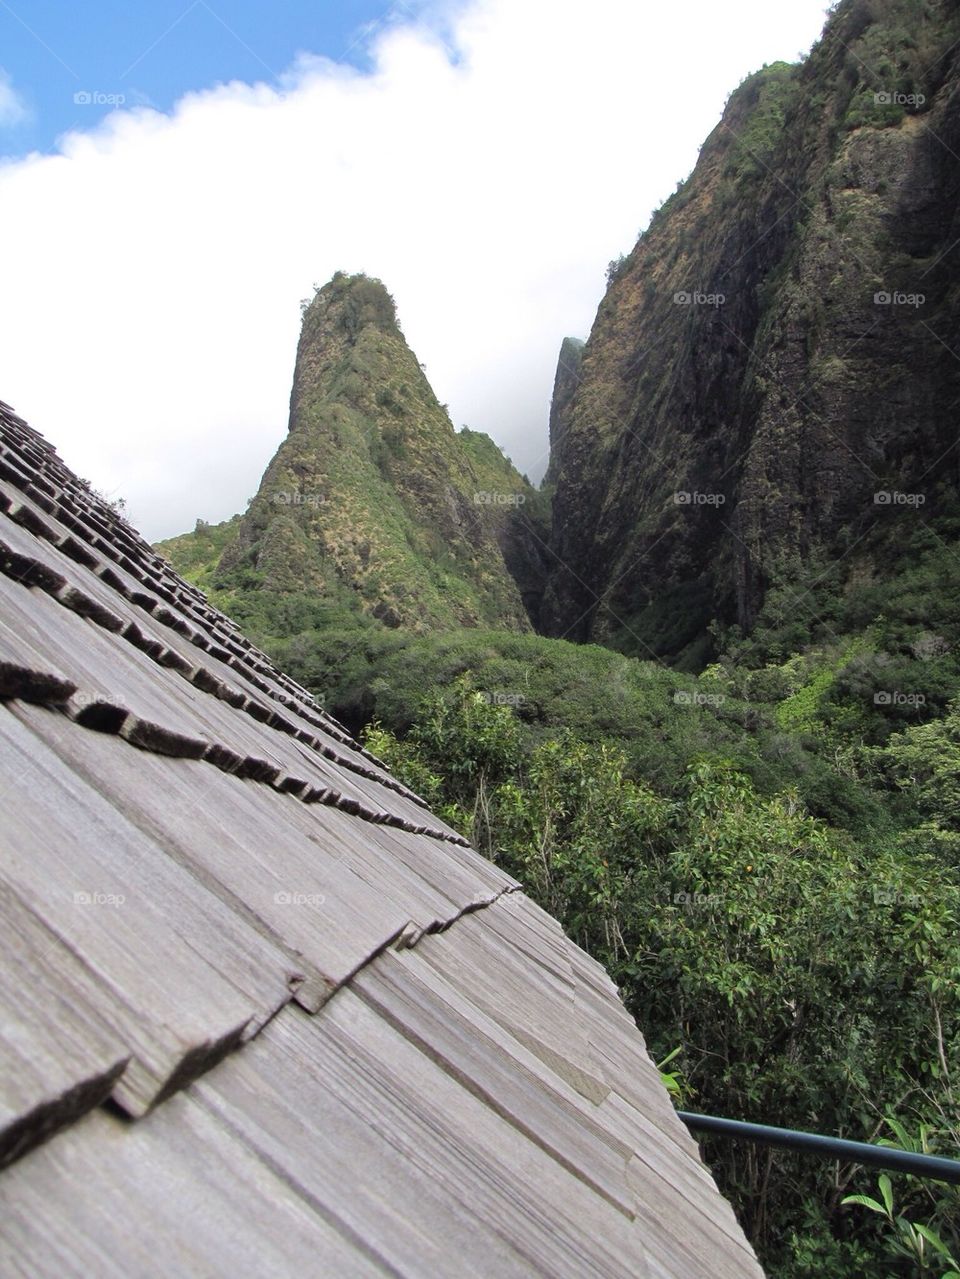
x=373 y=507
x=772 y=377
x=565 y=383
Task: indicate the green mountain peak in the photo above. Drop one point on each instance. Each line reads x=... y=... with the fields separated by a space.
x=373 y=507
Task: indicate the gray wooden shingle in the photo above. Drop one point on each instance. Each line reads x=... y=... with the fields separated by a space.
x=351 y=1045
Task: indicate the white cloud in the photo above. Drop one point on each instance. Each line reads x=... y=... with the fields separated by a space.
x=152 y=270
x=13 y=109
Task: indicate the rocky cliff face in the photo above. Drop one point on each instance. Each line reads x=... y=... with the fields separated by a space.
x=565 y=383
x=525 y=534
x=373 y=500
x=774 y=373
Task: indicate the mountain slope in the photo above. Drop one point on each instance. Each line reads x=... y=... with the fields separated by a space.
x=565 y=383
x=373 y=506
x=762 y=370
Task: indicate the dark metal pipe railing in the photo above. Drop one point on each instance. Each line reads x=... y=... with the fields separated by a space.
x=931 y=1167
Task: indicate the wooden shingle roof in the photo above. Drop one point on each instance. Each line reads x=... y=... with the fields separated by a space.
x=261 y=1012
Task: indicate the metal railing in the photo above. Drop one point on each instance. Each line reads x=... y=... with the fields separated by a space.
x=932 y=1167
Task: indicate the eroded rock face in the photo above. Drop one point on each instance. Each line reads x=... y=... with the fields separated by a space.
x=565 y=383
x=373 y=498
x=782 y=345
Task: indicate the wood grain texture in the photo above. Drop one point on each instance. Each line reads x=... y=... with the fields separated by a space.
x=350 y=1045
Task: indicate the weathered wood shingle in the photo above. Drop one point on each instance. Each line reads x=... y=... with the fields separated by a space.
x=348 y=1044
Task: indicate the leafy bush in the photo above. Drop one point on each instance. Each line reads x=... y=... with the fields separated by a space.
x=809 y=980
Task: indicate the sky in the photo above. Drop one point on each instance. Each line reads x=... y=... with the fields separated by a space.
x=175 y=177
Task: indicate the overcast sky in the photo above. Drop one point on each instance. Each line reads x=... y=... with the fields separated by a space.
x=486 y=159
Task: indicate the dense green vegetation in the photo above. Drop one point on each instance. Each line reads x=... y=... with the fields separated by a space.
x=763 y=853
x=772 y=91
x=808 y=970
x=196 y=555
